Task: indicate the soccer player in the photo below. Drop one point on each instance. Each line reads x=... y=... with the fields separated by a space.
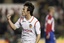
x=30 y=25
x=49 y=26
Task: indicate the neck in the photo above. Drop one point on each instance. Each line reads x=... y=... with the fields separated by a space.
x=28 y=16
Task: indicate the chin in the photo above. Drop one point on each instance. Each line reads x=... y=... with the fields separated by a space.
x=23 y=15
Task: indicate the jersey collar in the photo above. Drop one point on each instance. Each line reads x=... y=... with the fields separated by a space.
x=31 y=19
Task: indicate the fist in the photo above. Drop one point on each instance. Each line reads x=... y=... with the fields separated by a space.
x=10 y=13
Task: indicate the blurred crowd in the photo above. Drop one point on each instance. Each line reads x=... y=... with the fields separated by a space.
x=6 y=31
x=41 y=10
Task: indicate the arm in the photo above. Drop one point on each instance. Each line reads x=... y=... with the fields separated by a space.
x=37 y=27
x=10 y=12
x=37 y=38
x=10 y=22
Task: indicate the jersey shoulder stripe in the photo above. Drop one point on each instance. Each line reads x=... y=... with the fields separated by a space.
x=35 y=23
x=21 y=18
x=32 y=19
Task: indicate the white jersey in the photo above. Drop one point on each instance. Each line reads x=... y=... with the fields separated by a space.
x=30 y=28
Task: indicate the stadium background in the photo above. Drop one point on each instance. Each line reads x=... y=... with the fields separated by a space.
x=7 y=35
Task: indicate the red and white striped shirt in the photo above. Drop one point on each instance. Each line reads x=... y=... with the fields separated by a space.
x=49 y=24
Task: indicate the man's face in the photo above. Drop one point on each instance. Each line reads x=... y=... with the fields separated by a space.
x=53 y=11
x=24 y=11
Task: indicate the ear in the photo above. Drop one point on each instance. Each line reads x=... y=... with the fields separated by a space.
x=28 y=12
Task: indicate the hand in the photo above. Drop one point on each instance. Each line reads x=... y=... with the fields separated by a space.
x=48 y=36
x=8 y=16
x=10 y=13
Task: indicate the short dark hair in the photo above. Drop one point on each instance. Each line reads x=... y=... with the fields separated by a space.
x=30 y=7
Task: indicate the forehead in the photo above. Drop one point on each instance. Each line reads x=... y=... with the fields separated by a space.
x=52 y=8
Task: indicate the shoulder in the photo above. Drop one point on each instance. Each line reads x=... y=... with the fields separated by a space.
x=21 y=18
x=49 y=17
x=36 y=21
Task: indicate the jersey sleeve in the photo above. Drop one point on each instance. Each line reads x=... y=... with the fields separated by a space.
x=37 y=27
x=17 y=24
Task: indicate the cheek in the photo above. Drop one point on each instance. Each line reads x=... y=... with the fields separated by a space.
x=25 y=12
x=53 y=10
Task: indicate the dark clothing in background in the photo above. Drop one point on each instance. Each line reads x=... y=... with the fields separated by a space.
x=1 y=1
x=3 y=27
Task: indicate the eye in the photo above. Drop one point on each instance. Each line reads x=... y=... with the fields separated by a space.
x=23 y=9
